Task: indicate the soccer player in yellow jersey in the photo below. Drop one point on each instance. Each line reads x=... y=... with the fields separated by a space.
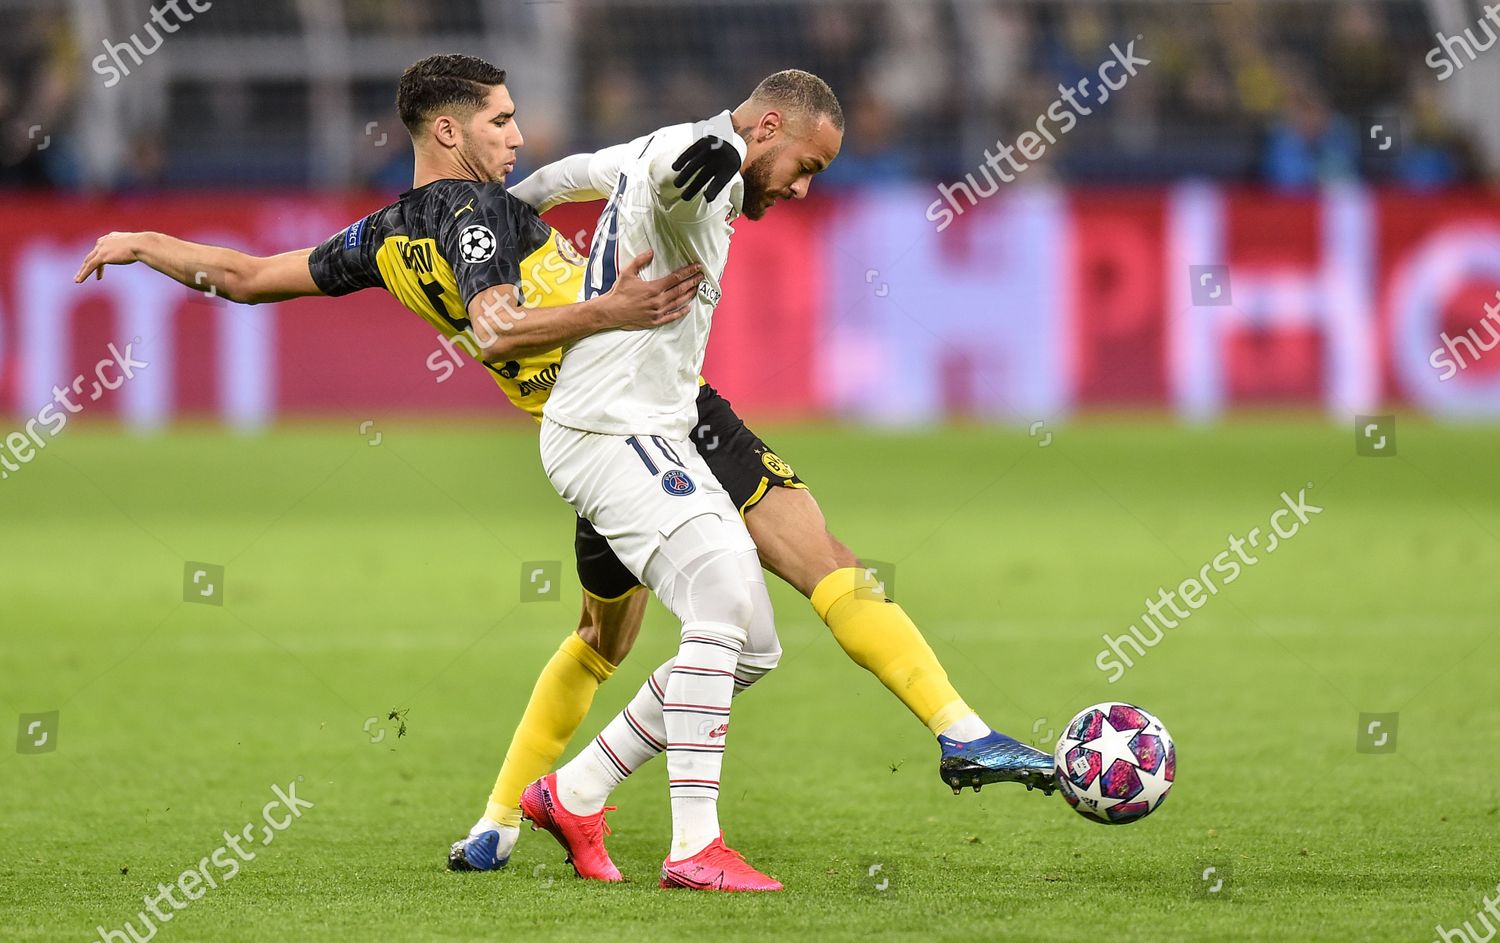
x=456 y=249
x=474 y=261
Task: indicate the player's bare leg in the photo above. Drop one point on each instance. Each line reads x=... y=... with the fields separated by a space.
x=611 y=626
x=607 y=629
x=794 y=543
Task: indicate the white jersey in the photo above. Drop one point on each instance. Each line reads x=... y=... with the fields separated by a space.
x=646 y=382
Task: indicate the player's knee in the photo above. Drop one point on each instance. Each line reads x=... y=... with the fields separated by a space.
x=718 y=624
x=610 y=627
x=723 y=611
x=717 y=591
x=734 y=605
x=590 y=635
x=756 y=665
x=589 y=624
x=842 y=556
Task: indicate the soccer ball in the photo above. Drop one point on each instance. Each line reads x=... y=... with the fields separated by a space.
x=1115 y=763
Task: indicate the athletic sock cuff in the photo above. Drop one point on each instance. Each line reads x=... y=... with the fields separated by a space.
x=838 y=584
x=948 y=715
x=495 y=812
x=583 y=653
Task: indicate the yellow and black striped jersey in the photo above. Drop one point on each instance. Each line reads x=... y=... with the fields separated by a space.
x=438 y=246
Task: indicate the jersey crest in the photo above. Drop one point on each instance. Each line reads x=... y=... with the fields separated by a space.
x=677 y=483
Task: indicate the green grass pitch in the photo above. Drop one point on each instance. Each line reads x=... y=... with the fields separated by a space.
x=364 y=579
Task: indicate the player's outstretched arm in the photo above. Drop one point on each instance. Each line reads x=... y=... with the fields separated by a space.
x=228 y=273
x=506 y=331
x=563 y=181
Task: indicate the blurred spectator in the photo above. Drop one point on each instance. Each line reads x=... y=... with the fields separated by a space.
x=1432 y=155
x=1266 y=89
x=613 y=101
x=38 y=81
x=871 y=153
x=1309 y=144
x=146 y=165
x=1362 y=71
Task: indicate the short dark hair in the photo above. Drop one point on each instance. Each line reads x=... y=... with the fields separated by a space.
x=438 y=82
x=802 y=93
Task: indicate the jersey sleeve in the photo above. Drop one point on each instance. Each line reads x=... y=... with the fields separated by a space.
x=346 y=262
x=606 y=166
x=562 y=181
x=485 y=245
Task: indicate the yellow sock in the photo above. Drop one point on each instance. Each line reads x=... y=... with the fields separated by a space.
x=879 y=636
x=558 y=704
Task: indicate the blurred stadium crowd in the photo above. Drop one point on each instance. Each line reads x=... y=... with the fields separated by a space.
x=1238 y=90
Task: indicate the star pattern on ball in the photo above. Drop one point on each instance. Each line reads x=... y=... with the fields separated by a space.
x=1112 y=744
x=1115 y=763
x=1096 y=803
x=1154 y=787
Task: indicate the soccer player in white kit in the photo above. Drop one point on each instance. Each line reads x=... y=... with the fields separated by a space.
x=615 y=444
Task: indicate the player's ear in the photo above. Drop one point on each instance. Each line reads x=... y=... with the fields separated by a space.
x=769 y=127
x=445 y=130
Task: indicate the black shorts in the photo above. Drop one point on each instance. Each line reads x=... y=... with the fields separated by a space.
x=744 y=465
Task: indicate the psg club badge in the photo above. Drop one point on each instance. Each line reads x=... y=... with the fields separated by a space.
x=678 y=483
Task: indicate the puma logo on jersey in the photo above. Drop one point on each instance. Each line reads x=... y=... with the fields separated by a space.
x=466 y=208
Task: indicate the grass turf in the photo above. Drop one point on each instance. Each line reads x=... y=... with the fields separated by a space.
x=363 y=579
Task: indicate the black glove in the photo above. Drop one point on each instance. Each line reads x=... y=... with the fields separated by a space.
x=707 y=165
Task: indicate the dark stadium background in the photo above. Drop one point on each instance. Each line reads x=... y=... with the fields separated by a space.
x=1252 y=141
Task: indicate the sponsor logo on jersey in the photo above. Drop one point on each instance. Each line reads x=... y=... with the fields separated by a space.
x=544 y=380
x=776 y=466
x=719 y=731
x=709 y=293
x=355 y=234
x=677 y=483
x=417 y=254
x=476 y=244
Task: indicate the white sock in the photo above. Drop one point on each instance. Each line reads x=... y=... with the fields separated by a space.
x=508 y=835
x=696 y=707
x=634 y=736
x=967 y=728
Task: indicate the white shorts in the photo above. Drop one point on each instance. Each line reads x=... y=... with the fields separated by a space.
x=636 y=490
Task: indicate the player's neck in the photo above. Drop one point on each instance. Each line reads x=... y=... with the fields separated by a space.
x=743 y=119
x=444 y=166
